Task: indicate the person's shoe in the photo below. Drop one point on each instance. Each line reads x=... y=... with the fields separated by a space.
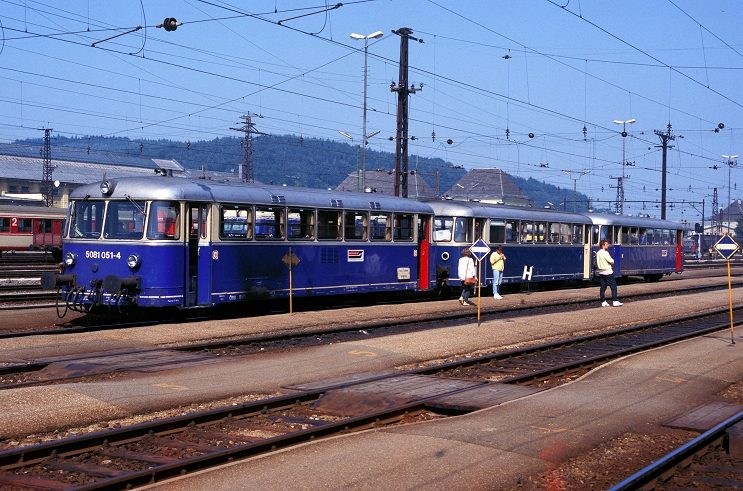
x=617 y=304
x=605 y=304
x=497 y=296
x=469 y=304
x=461 y=300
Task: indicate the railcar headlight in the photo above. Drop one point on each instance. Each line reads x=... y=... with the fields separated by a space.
x=70 y=259
x=107 y=188
x=133 y=261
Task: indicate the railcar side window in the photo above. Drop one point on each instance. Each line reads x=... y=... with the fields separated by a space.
x=658 y=237
x=672 y=236
x=4 y=224
x=356 y=225
x=87 y=219
x=443 y=229
x=164 y=220
x=512 y=231
x=617 y=235
x=633 y=235
x=554 y=233
x=328 y=224
x=666 y=237
x=301 y=224
x=402 y=227
x=24 y=225
x=380 y=226
x=642 y=236
x=577 y=233
x=236 y=222
x=124 y=220
x=625 y=236
x=527 y=232
x=650 y=234
x=541 y=232
x=269 y=223
x=497 y=232
x=462 y=230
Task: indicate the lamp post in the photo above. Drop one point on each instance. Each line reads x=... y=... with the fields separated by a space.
x=357 y=157
x=624 y=135
x=731 y=163
x=575 y=186
x=374 y=35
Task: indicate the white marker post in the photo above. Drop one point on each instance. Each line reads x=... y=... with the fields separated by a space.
x=480 y=250
x=726 y=247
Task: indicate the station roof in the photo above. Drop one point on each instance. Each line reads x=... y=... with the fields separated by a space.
x=486 y=185
x=383 y=181
x=26 y=163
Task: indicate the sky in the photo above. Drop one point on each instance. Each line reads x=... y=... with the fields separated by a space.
x=533 y=87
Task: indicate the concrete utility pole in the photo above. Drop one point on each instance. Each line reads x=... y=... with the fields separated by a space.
x=401 y=145
x=619 y=204
x=664 y=139
x=248 y=174
x=624 y=162
x=48 y=168
x=731 y=162
x=716 y=215
x=374 y=35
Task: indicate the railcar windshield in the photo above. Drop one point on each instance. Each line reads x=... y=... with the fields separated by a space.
x=443 y=227
x=164 y=220
x=87 y=219
x=124 y=220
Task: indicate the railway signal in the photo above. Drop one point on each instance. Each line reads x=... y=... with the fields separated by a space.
x=480 y=250
x=726 y=247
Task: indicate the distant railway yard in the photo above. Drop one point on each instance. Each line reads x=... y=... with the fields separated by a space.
x=150 y=402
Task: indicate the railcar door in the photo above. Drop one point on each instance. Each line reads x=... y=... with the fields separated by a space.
x=424 y=244
x=198 y=272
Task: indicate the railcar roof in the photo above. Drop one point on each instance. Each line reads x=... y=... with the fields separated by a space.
x=609 y=219
x=487 y=210
x=177 y=188
x=32 y=211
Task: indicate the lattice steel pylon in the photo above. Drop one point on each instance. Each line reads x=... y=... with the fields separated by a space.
x=48 y=168
x=716 y=214
x=248 y=174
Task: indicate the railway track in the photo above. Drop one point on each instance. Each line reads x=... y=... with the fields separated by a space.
x=710 y=461
x=150 y=452
x=94 y=365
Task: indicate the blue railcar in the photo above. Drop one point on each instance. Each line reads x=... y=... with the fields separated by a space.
x=541 y=245
x=171 y=241
x=640 y=246
x=551 y=246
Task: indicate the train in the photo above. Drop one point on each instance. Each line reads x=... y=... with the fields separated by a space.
x=35 y=228
x=165 y=241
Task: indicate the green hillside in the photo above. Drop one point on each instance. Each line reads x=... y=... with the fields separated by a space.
x=297 y=161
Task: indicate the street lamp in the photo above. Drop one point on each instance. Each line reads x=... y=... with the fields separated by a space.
x=374 y=35
x=575 y=185
x=357 y=158
x=731 y=163
x=624 y=135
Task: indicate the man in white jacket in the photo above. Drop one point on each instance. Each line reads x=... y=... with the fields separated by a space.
x=604 y=263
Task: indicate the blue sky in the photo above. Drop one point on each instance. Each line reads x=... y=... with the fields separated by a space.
x=492 y=73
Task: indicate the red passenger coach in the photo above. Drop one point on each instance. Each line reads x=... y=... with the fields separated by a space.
x=24 y=228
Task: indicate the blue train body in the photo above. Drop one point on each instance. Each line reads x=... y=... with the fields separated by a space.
x=174 y=242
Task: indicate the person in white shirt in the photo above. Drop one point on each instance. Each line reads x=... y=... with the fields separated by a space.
x=466 y=269
x=604 y=263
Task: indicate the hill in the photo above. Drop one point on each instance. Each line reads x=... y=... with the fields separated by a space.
x=298 y=161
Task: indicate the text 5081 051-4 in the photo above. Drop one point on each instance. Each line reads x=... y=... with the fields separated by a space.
x=102 y=255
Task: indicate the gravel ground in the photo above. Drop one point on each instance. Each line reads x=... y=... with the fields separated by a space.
x=617 y=458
